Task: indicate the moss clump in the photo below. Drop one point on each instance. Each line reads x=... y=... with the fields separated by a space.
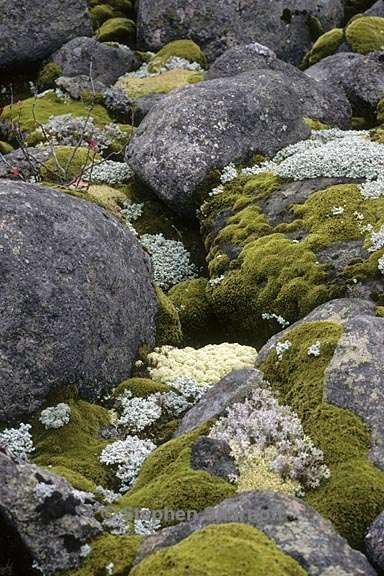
x=166 y=480
x=100 y=14
x=28 y=114
x=168 y=327
x=186 y=49
x=107 y=197
x=48 y=74
x=141 y=387
x=117 y=30
x=75 y=448
x=354 y=494
x=198 y=322
x=225 y=550
x=136 y=88
x=77 y=480
x=324 y=46
x=366 y=34
x=5 y=148
x=316 y=124
x=67 y=164
x=118 y=550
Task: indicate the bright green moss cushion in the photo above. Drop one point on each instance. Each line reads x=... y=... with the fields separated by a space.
x=366 y=34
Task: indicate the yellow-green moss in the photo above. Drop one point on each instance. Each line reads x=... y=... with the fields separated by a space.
x=48 y=74
x=221 y=550
x=76 y=479
x=31 y=112
x=117 y=30
x=354 y=494
x=380 y=311
x=315 y=124
x=75 y=448
x=118 y=550
x=166 y=480
x=186 y=49
x=5 y=148
x=366 y=34
x=198 y=321
x=324 y=46
x=67 y=164
x=168 y=327
x=136 y=88
x=141 y=387
x=101 y=13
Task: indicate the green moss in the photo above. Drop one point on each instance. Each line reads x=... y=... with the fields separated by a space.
x=186 y=49
x=221 y=550
x=380 y=112
x=366 y=34
x=380 y=311
x=316 y=124
x=168 y=327
x=198 y=321
x=5 y=148
x=125 y=6
x=48 y=74
x=118 y=550
x=324 y=46
x=354 y=494
x=275 y=275
x=28 y=114
x=67 y=164
x=136 y=88
x=76 y=479
x=100 y=14
x=166 y=480
x=141 y=387
x=117 y=30
x=75 y=447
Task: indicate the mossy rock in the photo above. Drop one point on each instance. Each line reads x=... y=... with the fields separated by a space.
x=324 y=46
x=168 y=327
x=30 y=113
x=166 y=480
x=109 y=549
x=120 y=30
x=354 y=494
x=221 y=550
x=366 y=34
x=198 y=322
x=48 y=74
x=136 y=88
x=101 y=13
x=5 y=148
x=141 y=387
x=186 y=49
x=74 y=449
x=67 y=164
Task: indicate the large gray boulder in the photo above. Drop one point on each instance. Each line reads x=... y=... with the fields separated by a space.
x=374 y=541
x=30 y=30
x=376 y=10
x=295 y=528
x=76 y=296
x=198 y=128
x=48 y=521
x=283 y=25
x=360 y=76
x=103 y=62
x=354 y=378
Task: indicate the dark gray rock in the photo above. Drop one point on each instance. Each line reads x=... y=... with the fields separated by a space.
x=361 y=77
x=25 y=162
x=232 y=388
x=144 y=105
x=50 y=519
x=374 y=542
x=76 y=293
x=31 y=30
x=213 y=456
x=75 y=86
x=103 y=62
x=282 y=25
x=354 y=378
x=244 y=58
x=376 y=10
x=213 y=123
x=295 y=528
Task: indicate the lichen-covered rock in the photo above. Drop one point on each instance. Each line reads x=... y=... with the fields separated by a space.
x=374 y=541
x=232 y=388
x=293 y=526
x=360 y=76
x=48 y=518
x=214 y=456
x=78 y=300
x=283 y=26
x=31 y=30
x=243 y=58
x=218 y=121
x=104 y=62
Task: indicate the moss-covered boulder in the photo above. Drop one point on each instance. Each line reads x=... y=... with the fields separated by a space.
x=223 y=550
x=366 y=34
x=168 y=326
x=117 y=30
x=185 y=49
x=324 y=46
